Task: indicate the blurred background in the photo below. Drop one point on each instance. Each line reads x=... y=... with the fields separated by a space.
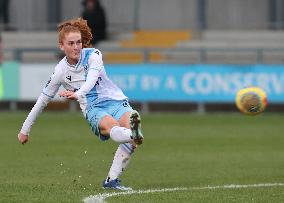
x=182 y=55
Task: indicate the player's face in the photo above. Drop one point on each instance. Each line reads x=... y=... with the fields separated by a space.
x=71 y=45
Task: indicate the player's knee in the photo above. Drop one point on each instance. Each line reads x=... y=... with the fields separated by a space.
x=105 y=129
x=106 y=125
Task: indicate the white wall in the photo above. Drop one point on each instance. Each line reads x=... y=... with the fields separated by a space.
x=33 y=78
x=70 y=9
x=151 y=14
x=237 y=14
x=167 y=14
x=28 y=14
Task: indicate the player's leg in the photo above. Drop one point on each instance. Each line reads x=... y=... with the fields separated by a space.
x=111 y=120
x=109 y=127
x=123 y=153
x=123 y=125
x=120 y=161
x=121 y=158
x=105 y=126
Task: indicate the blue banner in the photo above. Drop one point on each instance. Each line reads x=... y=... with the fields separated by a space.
x=196 y=83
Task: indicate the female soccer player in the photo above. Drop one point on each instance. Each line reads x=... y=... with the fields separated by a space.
x=81 y=72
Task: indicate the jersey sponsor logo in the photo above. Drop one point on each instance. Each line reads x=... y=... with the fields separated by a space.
x=86 y=67
x=125 y=104
x=68 y=77
x=98 y=81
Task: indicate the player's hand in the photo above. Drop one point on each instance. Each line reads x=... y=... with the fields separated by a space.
x=23 y=138
x=68 y=94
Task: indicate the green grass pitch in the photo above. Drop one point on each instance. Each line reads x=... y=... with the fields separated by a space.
x=64 y=162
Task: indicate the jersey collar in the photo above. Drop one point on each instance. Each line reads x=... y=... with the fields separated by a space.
x=76 y=65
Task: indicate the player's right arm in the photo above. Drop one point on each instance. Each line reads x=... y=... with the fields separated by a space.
x=47 y=94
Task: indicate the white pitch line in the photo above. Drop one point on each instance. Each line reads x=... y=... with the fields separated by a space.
x=101 y=197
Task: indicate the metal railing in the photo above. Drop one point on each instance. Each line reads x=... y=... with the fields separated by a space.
x=180 y=55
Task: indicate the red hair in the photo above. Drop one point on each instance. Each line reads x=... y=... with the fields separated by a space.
x=75 y=25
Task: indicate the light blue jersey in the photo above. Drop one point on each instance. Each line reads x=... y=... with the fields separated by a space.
x=97 y=94
x=72 y=77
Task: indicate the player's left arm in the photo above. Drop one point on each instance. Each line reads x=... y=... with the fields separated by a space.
x=95 y=66
x=47 y=94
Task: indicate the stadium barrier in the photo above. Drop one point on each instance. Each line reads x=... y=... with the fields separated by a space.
x=9 y=81
x=184 y=55
x=161 y=83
